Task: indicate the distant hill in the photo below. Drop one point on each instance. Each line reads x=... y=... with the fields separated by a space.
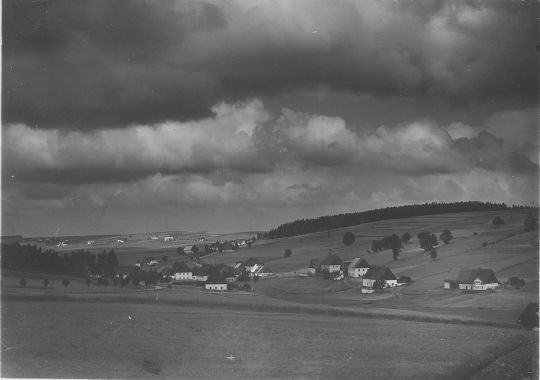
x=323 y=223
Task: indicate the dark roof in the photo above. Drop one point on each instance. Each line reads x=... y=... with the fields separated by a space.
x=360 y=264
x=467 y=276
x=331 y=260
x=529 y=316
x=379 y=273
x=182 y=268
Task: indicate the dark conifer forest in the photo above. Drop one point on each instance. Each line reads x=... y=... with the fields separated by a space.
x=323 y=223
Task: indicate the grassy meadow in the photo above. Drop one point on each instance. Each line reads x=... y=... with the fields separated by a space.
x=289 y=327
x=115 y=340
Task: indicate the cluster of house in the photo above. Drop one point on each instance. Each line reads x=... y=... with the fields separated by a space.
x=373 y=277
x=380 y=277
x=213 y=278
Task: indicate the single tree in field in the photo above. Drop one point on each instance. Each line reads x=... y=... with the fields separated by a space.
x=348 y=238
x=530 y=223
x=288 y=253
x=395 y=245
x=433 y=254
x=406 y=237
x=194 y=249
x=65 y=282
x=22 y=281
x=46 y=283
x=497 y=221
x=446 y=236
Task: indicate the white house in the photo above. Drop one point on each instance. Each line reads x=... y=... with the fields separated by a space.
x=260 y=270
x=215 y=286
x=379 y=276
x=197 y=277
x=168 y=238
x=331 y=263
x=473 y=279
x=182 y=272
x=358 y=267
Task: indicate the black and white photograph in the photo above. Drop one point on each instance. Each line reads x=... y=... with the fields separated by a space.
x=270 y=189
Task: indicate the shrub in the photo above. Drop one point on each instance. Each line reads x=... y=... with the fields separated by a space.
x=497 y=221
x=46 y=283
x=406 y=237
x=404 y=280
x=484 y=244
x=288 y=253
x=22 y=281
x=348 y=238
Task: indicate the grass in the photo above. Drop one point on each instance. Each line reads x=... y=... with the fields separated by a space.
x=99 y=340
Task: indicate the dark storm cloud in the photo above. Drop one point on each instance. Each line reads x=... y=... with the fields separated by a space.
x=90 y=64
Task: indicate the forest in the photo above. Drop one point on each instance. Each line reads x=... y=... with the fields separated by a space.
x=323 y=223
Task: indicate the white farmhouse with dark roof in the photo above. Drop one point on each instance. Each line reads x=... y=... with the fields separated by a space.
x=358 y=267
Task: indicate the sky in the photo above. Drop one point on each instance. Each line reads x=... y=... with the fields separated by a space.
x=235 y=115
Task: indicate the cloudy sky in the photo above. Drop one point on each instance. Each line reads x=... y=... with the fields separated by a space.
x=230 y=115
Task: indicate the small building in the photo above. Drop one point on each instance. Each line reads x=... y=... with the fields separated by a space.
x=230 y=279
x=358 y=267
x=168 y=238
x=331 y=263
x=473 y=279
x=379 y=277
x=215 y=286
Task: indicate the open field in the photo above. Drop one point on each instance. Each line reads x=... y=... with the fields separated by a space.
x=98 y=340
x=299 y=327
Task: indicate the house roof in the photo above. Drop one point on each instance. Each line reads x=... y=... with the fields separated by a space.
x=467 y=276
x=359 y=263
x=331 y=260
x=252 y=261
x=379 y=273
x=182 y=268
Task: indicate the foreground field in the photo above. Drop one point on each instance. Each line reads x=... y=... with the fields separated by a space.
x=117 y=340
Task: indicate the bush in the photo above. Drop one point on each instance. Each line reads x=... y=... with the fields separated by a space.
x=516 y=282
x=484 y=244
x=406 y=237
x=404 y=280
x=348 y=238
x=22 y=281
x=46 y=283
x=497 y=221
x=288 y=253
